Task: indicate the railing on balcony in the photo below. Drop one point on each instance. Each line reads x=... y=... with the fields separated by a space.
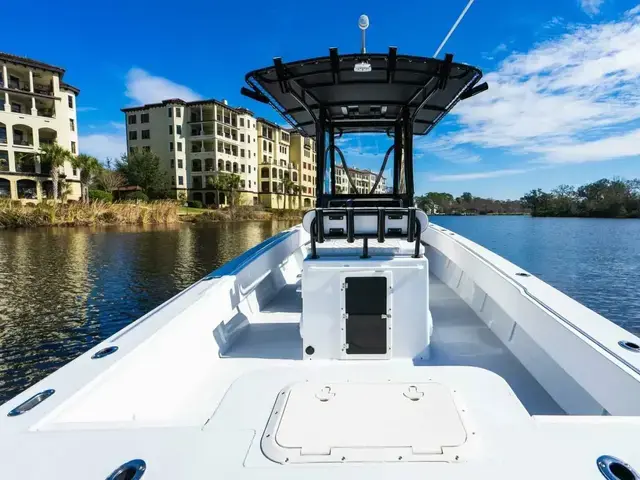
x=43 y=89
x=22 y=142
x=46 y=112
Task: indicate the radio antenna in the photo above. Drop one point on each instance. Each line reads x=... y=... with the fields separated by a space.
x=455 y=25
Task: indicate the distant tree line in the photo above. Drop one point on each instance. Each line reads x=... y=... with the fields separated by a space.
x=616 y=198
x=467 y=204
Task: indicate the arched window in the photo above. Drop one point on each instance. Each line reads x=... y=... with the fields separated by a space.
x=5 y=188
x=274 y=172
x=264 y=172
x=294 y=176
x=235 y=167
x=220 y=165
x=228 y=166
x=27 y=189
x=208 y=165
x=210 y=198
x=197 y=197
x=196 y=165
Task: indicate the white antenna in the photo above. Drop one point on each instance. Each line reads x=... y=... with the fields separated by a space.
x=455 y=25
x=363 y=23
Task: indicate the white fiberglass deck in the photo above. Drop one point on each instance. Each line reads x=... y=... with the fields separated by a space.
x=459 y=338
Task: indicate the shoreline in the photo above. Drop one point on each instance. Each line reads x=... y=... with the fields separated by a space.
x=97 y=213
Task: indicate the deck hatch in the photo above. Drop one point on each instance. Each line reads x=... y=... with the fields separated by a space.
x=366 y=309
x=363 y=422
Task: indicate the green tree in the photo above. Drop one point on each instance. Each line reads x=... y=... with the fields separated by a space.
x=143 y=169
x=466 y=197
x=54 y=155
x=89 y=168
x=288 y=189
x=225 y=182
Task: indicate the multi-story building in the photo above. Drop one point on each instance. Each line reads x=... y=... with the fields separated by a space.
x=279 y=166
x=365 y=180
x=36 y=108
x=195 y=141
x=303 y=156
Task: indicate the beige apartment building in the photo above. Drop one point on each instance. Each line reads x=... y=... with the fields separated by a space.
x=36 y=108
x=195 y=141
x=364 y=180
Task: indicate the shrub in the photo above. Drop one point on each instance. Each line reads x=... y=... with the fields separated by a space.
x=195 y=204
x=140 y=196
x=101 y=195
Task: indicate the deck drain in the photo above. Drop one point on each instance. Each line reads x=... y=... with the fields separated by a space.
x=105 y=352
x=522 y=274
x=132 y=470
x=631 y=346
x=613 y=468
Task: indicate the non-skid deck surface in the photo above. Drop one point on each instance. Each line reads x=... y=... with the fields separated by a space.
x=459 y=338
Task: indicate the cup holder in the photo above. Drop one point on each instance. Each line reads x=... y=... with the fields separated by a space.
x=628 y=345
x=613 y=468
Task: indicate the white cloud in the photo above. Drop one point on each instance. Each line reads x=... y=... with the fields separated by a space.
x=555 y=100
x=103 y=145
x=591 y=7
x=143 y=88
x=440 y=147
x=478 y=175
x=118 y=125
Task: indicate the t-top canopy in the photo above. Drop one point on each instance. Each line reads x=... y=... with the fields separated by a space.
x=364 y=92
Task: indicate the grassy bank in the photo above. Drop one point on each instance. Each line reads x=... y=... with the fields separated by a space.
x=239 y=214
x=14 y=215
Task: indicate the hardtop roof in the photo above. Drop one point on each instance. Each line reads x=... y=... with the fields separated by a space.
x=364 y=101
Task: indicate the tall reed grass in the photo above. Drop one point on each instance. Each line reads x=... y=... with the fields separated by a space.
x=16 y=215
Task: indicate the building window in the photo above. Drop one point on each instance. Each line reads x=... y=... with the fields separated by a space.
x=171 y=146
x=146 y=148
x=73 y=147
x=132 y=119
x=249 y=183
x=144 y=118
x=179 y=146
x=249 y=168
x=169 y=110
x=179 y=163
x=133 y=135
x=173 y=180
x=132 y=150
x=146 y=135
x=72 y=124
x=70 y=101
x=242 y=168
x=173 y=163
x=248 y=138
x=179 y=129
x=75 y=172
x=242 y=152
x=242 y=122
x=178 y=114
x=242 y=137
x=180 y=178
x=264 y=144
x=170 y=129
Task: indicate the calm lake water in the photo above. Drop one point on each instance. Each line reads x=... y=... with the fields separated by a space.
x=64 y=290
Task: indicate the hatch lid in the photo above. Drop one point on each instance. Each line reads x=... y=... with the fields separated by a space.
x=314 y=422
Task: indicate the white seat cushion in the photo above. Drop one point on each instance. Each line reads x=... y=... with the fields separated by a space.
x=392 y=247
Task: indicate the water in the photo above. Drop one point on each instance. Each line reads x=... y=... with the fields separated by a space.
x=64 y=290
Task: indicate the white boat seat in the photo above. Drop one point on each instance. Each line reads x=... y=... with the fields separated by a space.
x=390 y=247
x=366 y=224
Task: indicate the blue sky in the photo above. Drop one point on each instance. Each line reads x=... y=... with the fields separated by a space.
x=564 y=75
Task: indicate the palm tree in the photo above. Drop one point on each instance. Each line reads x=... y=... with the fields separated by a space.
x=287 y=186
x=55 y=155
x=89 y=167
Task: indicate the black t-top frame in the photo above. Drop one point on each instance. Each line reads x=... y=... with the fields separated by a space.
x=327 y=97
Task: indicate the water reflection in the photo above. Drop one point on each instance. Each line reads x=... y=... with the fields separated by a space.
x=64 y=290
